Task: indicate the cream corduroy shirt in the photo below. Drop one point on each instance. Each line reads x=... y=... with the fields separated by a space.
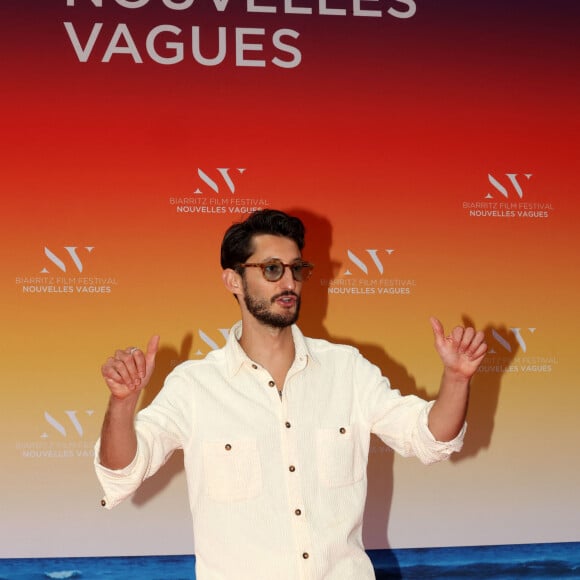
x=277 y=485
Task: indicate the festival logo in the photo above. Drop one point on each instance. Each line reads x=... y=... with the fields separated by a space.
x=220 y=191
x=370 y=272
x=199 y=345
x=61 y=436
x=60 y=264
x=513 y=350
x=60 y=427
x=506 y=197
x=208 y=343
x=66 y=270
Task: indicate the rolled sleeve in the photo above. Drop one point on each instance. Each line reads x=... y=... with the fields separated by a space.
x=160 y=429
x=429 y=449
x=155 y=444
x=118 y=484
x=401 y=421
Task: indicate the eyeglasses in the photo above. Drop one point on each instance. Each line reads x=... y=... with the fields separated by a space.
x=274 y=269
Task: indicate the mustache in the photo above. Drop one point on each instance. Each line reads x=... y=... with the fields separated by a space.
x=285 y=293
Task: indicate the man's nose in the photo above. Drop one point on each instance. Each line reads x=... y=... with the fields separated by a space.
x=287 y=281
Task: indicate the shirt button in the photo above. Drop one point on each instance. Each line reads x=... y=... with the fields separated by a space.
x=306 y=555
x=342 y=430
x=298 y=512
x=254 y=367
x=287 y=425
x=271 y=384
x=228 y=447
x=292 y=468
x=103 y=503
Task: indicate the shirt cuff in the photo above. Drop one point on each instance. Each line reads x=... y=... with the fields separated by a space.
x=116 y=483
x=437 y=450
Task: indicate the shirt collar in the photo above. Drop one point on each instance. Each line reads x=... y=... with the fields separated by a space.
x=236 y=356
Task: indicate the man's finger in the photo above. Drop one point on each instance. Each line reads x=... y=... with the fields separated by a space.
x=152 y=348
x=479 y=346
x=108 y=371
x=120 y=373
x=129 y=360
x=140 y=363
x=466 y=339
x=476 y=341
x=437 y=327
x=457 y=334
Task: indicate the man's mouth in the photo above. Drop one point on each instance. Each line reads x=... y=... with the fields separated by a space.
x=287 y=299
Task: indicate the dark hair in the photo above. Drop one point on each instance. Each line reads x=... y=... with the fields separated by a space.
x=238 y=245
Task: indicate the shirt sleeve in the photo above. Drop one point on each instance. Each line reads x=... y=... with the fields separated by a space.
x=401 y=422
x=160 y=430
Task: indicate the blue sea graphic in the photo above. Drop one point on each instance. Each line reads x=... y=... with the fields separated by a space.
x=510 y=562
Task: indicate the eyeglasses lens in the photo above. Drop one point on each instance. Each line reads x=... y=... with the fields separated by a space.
x=274 y=270
x=300 y=272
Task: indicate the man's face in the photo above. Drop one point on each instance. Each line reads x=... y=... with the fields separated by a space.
x=275 y=304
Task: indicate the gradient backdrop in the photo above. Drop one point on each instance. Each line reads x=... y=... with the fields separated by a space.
x=434 y=159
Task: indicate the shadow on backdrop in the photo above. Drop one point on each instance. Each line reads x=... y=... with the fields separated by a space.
x=312 y=316
x=485 y=388
x=166 y=360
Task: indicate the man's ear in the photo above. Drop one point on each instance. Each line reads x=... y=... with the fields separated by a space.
x=232 y=281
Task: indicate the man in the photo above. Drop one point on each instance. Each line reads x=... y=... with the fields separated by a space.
x=275 y=427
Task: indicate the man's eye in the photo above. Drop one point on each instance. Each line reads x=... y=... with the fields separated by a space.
x=271 y=268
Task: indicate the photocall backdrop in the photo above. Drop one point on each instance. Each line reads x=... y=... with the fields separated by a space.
x=431 y=149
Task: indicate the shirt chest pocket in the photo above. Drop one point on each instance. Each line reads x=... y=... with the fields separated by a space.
x=232 y=469
x=339 y=456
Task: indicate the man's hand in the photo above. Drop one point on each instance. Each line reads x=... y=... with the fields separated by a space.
x=128 y=371
x=461 y=351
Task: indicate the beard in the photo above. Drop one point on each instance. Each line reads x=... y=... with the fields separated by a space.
x=261 y=310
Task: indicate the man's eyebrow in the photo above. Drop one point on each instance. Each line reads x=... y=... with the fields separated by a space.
x=281 y=260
